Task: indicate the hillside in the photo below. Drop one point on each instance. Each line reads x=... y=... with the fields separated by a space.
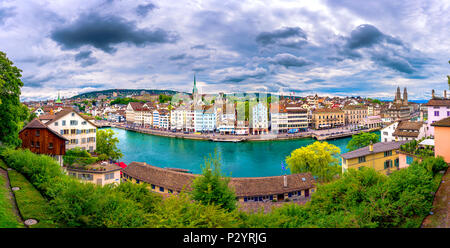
x=123 y=92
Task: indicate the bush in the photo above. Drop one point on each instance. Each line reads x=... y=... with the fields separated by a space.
x=74 y=203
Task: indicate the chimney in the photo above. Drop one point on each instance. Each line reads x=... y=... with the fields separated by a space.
x=371 y=146
x=432 y=94
x=285 y=181
x=445 y=94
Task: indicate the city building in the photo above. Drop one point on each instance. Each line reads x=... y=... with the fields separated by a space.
x=297 y=118
x=259 y=119
x=247 y=189
x=77 y=129
x=355 y=115
x=399 y=109
x=381 y=156
x=328 y=118
x=409 y=130
x=40 y=139
x=438 y=109
x=205 y=118
x=387 y=133
x=442 y=138
x=100 y=173
x=278 y=118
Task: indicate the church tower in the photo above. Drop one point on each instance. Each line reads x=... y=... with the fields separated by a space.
x=405 y=97
x=195 y=91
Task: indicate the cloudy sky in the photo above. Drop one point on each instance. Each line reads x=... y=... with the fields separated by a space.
x=336 y=47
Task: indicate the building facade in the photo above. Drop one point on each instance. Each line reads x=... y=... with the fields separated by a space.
x=381 y=156
x=79 y=131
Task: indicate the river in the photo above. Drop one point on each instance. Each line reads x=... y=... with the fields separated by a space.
x=242 y=159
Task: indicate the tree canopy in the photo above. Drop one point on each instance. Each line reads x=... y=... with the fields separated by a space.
x=12 y=112
x=362 y=140
x=319 y=158
x=212 y=187
x=107 y=144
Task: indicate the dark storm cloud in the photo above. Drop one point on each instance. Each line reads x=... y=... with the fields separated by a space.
x=239 y=75
x=367 y=35
x=283 y=37
x=143 y=9
x=85 y=58
x=103 y=32
x=5 y=13
x=288 y=60
x=394 y=62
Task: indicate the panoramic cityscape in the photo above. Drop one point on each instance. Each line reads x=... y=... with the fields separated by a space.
x=137 y=116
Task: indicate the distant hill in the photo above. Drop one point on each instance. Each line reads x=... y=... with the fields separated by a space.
x=123 y=92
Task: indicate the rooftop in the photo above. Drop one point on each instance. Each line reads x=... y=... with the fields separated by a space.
x=442 y=123
x=243 y=186
x=377 y=148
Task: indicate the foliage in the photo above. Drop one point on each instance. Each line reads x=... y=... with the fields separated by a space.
x=362 y=140
x=12 y=112
x=78 y=156
x=30 y=202
x=412 y=147
x=361 y=198
x=319 y=158
x=107 y=144
x=124 y=101
x=180 y=211
x=73 y=203
x=164 y=98
x=212 y=186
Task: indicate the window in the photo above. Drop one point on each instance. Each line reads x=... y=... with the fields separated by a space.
x=37 y=144
x=56 y=123
x=32 y=143
x=153 y=186
x=409 y=159
x=73 y=114
x=38 y=133
x=73 y=131
x=387 y=164
x=388 y=153
x=362 y=159
x=73 y=122
x=50 y=145
x=109 y=176
x=436 y=113
x=63 y=123
x=161 y=189
x=87 y=177
x=396 y=163
x=170 y=191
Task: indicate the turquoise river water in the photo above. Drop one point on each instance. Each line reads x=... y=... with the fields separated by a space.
x=243 y=159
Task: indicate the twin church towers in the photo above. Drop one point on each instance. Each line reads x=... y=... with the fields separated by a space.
x=398 y=97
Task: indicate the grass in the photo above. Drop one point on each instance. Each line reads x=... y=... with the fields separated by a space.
x=30 y=202
x=8 y=218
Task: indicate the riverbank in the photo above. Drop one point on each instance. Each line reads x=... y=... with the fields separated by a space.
x=320 y=135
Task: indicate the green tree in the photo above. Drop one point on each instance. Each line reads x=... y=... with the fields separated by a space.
x=78 y=156
x=362 y=140
x=12 y=112
x=107 y=144
x=212 y=187
x=319 y=158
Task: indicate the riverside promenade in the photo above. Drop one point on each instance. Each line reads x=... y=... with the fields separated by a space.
x=319 y=135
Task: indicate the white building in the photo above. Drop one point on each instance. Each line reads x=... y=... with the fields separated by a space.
x=79 y=131
x=388 y=131
x=260 y=123
x=205 y=119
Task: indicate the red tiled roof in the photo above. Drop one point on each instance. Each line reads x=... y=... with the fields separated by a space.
x=243 y=186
